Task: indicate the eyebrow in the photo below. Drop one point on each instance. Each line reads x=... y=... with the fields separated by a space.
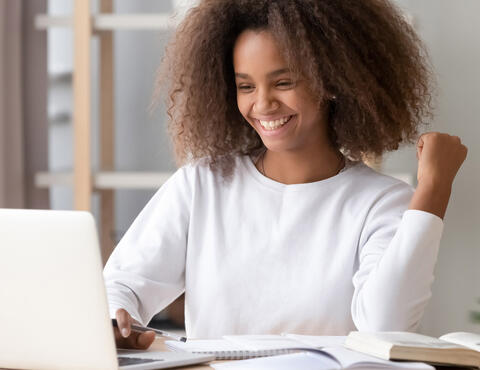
x=270 y=74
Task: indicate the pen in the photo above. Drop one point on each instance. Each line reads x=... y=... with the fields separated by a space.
x=156 y=331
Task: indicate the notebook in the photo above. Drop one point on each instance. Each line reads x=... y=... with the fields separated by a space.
x=343 y=359
x=237 y=347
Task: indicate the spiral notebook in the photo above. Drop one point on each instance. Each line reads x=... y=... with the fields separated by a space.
x=239 y=347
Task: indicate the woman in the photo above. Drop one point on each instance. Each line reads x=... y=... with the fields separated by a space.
x=273 y=223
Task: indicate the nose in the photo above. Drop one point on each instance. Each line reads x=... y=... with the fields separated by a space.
x=265 y=102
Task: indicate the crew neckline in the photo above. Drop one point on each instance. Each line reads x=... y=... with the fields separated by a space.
x=249 y=164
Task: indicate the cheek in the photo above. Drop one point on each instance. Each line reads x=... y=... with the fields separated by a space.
x=243 y=106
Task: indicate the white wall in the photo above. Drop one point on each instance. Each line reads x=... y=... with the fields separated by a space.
x=451 y=30
x=140 y=139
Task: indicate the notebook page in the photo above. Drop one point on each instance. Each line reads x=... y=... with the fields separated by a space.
x=205 y=345
x=265 y=342
x=318 y=341
x=222 y=349
x=352 y=359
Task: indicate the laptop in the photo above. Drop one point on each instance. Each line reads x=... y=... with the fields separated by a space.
x=53 y=305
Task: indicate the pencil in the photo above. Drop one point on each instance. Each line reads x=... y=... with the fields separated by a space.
x=156 y=331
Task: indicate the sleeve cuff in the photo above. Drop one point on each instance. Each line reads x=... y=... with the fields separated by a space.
x=114 y=305
x=426 y=218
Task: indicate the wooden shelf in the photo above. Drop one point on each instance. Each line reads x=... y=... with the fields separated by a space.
x=134 y=180
x=105 y=22
x=112 y=22
x=44 y=21
x=106 y=179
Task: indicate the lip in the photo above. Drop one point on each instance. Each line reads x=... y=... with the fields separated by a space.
x=272 y=118
x=278 y=131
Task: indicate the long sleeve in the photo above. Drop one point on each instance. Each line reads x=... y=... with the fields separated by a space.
x=397 y=255
x=146 y=271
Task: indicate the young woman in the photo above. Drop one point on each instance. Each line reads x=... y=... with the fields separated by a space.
x=273 y=223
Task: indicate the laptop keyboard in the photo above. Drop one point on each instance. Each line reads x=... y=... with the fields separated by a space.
x=124 y=361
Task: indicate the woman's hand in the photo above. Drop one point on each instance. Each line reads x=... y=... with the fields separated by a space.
x=439 y=159
x=125 y=337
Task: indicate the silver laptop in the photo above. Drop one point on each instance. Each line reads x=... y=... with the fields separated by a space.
x=53 y=305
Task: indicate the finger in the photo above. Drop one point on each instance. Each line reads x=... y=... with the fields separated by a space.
x=421 y=141
x=457 y=139
x=419 y=147
x=139 y=340
x=120 y=341
x=124 y=322
x=144 y=340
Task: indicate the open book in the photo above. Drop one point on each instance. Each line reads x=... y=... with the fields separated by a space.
x=450 y=349
x=322 y=352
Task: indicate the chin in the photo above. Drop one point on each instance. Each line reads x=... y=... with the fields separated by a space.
x=278 y=146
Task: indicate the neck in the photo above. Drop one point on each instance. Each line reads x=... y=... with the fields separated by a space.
x=299 y=167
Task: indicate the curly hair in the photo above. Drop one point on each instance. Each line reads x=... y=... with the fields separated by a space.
x=363 y=53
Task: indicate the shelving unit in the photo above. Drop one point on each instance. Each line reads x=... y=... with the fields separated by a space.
x=87 y=26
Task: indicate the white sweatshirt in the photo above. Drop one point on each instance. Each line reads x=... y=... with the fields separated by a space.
x=256 y=256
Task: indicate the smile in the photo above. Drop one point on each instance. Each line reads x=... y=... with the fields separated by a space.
x=272 y=125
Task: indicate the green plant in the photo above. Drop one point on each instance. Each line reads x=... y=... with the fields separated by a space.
x=475 y=315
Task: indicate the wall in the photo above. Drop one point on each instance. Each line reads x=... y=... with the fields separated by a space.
x=451 y=31
x=140 y=139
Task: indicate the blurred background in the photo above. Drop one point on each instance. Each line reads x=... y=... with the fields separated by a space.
x=76 y=131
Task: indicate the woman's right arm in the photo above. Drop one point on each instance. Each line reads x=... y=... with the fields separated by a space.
x=146 y=271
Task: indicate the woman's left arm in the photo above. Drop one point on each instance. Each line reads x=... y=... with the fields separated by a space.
x=439 y=159
x=397 y=259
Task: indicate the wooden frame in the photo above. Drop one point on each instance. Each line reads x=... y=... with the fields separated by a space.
x=82 y=106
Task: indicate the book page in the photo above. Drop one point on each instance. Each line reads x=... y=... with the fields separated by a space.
x=403 y=339
x=469 y=340
x=354 y=359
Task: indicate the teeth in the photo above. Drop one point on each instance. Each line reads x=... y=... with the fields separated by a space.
x=272 y=125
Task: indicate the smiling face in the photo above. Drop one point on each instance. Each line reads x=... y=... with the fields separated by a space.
x=282 y=110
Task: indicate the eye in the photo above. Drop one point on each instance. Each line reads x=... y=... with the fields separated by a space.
x=244 y=87
x=285 y=84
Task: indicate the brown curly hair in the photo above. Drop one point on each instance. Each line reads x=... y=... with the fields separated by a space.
x=364 y=53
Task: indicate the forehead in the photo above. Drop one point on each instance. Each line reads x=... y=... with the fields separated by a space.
x=257 y=52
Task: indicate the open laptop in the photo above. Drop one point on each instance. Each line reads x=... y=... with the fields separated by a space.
x=53 y=305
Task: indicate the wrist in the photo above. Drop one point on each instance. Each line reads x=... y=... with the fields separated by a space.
x=436 y=186
x=431 y=197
